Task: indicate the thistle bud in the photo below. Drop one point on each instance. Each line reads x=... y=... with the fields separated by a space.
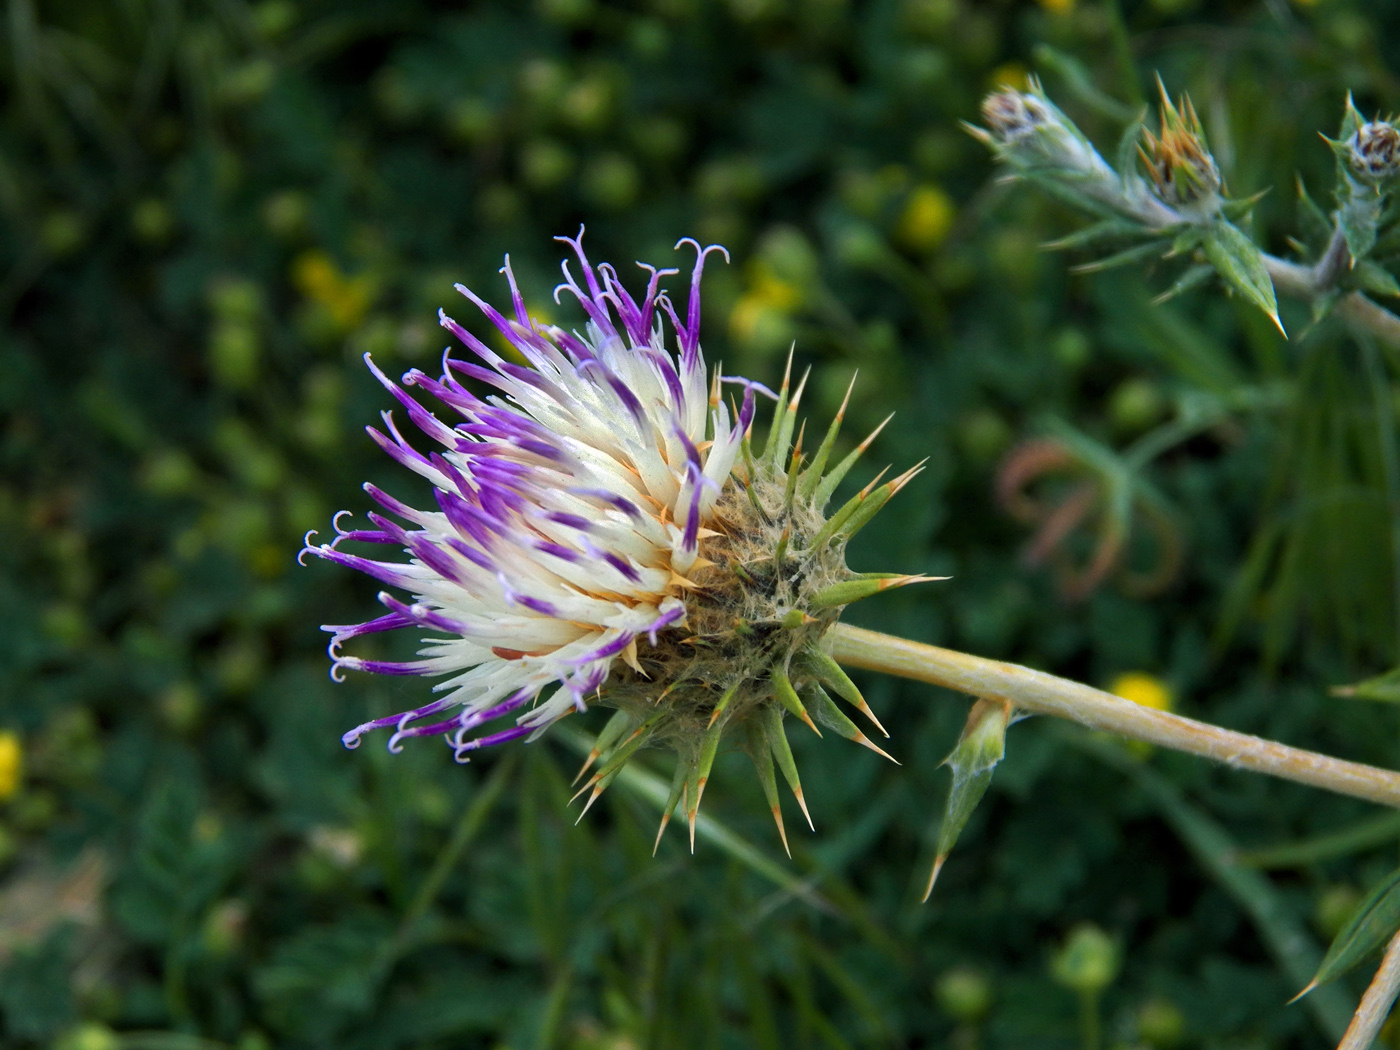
x=1012 y=115
x=1373 y=152
x=1183 y=173
x=1025 y=128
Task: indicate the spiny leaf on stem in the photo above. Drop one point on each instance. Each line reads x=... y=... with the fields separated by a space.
x=829 y=483
x=830 y=715
x=812 y=476
x=758 y=750
x=833 y=675
x=787 y=696
x=782 y=753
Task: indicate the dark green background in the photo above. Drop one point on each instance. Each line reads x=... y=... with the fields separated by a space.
x=212 y=208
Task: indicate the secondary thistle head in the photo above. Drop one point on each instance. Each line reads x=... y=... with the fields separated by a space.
x=1028 y=131
x=1373 y=152
x=605 y=534
x=1183 y=172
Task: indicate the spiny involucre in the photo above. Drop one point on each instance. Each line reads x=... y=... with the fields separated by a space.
x=605 y=534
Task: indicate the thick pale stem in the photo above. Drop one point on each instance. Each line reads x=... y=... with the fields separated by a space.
x=1376 y=1003
x=1045 y=694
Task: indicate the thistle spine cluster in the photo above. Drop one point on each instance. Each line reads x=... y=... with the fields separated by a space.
x=780 y=561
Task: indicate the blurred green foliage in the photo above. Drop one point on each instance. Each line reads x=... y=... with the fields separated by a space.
x=214 y=207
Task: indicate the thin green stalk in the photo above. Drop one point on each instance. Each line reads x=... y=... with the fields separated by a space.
x=1040 y=693
x=1297 y=955
x=1089 y=1037
x=654 y=790
x=1376 y=831
x=1390 y=463
x=468 y=827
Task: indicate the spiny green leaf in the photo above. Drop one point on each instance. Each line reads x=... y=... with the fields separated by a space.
x=1239 y=208
x=776 y=735
x=812 y=476
x=972 y=761
x=756 y=744
x=1238 y=260
x=1383 y=687
x=1315 y=225
x=1194 y=277
x=1375 y=922
x=831 y=480
x=854 y=590
x=1127 y=257
x=830 y=715
x=1359 y=217
x=832 y=675
x=1107 y=230
x=787 y=696
x=1375 y=279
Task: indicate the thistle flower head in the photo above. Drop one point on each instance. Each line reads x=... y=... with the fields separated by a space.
x=605 y=534
x=1183 y=172
x=1373 y=152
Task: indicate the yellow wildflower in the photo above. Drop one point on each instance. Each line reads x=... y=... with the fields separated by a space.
x=927 y=218
x=345 y=299
x=11 y=763
x=1143 y=689
x=1012 y=75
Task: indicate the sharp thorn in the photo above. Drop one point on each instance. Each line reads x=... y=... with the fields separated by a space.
x=864 y=709
x=865 y=741
x=597 y=792
x=1311 y=985
x=802 y=802
x=592 y=757
x=665 y=819
x=933 y=876
x=782 y=831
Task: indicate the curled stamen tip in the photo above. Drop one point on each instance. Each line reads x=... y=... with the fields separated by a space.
x=351 y=740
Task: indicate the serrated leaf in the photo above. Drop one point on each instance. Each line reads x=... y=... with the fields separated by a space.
x=1375 y=922
x=1128 y=144
x=1383 y=687
x=1238 y=260
x=1054 y=182
x=1187 y=241
x=1194 y=277
x=972 y=761
x=1107 y=230
x=1240 y=207
x=1322 y=305
x=1359 y=217
x=1351 y=120
x=1316 y=226
x=1126 y=257
x=1375 y=279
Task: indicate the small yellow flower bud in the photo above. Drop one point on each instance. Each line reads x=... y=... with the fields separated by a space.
x=11 y=764
x=927 y=218
x=1144 y=690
